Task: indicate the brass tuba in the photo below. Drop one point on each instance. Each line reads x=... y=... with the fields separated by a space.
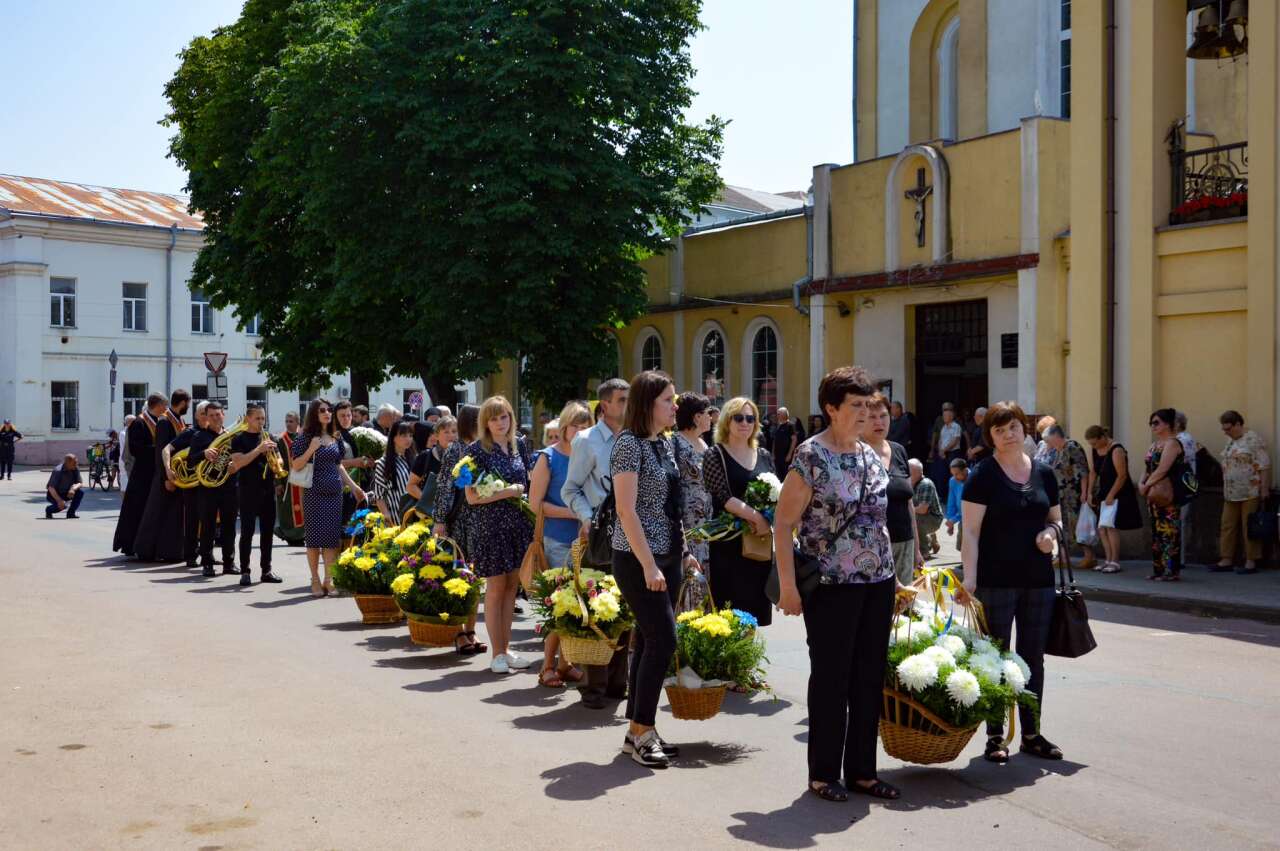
x=185 y=476
x=213 y=474
x=274 y=463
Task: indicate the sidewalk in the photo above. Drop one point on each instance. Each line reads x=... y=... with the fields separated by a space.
x=1216 y=595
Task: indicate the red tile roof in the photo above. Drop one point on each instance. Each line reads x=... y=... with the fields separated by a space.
x=34 y=196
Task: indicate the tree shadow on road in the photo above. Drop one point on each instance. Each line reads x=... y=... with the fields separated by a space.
x=800 y=823
x=423 y=662
x=453 y=680
x=586 y=781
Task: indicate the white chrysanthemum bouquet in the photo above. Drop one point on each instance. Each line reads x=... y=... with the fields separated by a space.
x=953 y=671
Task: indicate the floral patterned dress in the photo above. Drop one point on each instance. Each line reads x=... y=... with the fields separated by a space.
x=1166 y=525
x=1070 y=466
x=840 y=480
x=695 y=509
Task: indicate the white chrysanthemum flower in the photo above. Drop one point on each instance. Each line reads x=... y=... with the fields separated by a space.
x=1013 y=676
x=939 y=655
x=986 y=665
x=1022 y=665
x=982 y=647
x=775 y=486
x=917 y=672
x=953 y=644
x=963 y=688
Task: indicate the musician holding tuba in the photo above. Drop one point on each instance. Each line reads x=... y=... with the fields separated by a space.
x=190 y=495
x=216 y=493
x=256 y=464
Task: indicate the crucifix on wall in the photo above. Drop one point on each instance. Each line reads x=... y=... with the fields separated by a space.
x=919 y=194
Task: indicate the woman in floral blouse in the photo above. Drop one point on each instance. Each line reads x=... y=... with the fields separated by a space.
x=1071 y=468
x=1245 y=476
x=836 y=495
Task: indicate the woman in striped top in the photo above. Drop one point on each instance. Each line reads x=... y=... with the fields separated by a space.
x=391 y=473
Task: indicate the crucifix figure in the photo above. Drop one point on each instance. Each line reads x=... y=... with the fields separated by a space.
x=919 y=194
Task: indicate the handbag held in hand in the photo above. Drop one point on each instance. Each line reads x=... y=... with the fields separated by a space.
x=1069 y=631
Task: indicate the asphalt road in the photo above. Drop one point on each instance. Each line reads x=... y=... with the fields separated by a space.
x=144 y=706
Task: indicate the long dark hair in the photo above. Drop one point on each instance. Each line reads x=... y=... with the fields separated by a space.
x=469 y=422
x=389 y=457
x=311 y=425
x=645 y=390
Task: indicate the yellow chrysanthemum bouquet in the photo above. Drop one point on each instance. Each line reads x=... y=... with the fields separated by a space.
x=717 y=648
x=435 y=584
x=370 y=564
x=558 y=604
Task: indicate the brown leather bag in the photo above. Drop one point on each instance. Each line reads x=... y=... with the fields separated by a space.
x=1161 y=493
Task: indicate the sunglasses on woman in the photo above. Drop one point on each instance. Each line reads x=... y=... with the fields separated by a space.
x=744 y=418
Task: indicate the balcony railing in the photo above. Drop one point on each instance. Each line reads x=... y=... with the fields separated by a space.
x=1208 y=183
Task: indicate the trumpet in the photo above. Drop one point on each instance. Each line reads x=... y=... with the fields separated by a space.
x=274 y=463
x=212 y=474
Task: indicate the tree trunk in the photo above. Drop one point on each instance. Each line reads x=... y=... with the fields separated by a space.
x=359 y=389
x=441 y=390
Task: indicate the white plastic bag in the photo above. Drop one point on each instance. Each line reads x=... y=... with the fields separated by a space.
x=1107 y=515
x=1087 y=526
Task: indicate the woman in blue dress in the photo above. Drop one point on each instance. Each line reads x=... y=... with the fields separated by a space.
x=319 y=444
x=498 y=533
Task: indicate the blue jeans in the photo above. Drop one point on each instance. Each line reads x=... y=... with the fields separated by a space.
x=557 y=552
x=73 y=502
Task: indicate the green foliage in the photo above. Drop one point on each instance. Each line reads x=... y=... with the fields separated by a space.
x=431 y=584
x=722 y=645
x=556 y=607
x=429 y=186
x=370 y=564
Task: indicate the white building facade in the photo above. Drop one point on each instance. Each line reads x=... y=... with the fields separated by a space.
x=86 y=270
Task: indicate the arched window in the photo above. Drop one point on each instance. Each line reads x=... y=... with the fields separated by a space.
x=948 y=81
x=712 y=364
x=764 y=369
x=651 y=353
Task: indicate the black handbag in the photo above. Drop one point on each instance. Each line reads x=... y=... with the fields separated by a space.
x=1069 y=631
x=808 y=569
x=599 y=551
x=1262 y=525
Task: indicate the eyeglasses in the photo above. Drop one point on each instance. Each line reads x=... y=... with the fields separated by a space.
x=744 y=418
x=1154 y=423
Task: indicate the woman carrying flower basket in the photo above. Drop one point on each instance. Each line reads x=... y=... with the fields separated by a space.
x=1010 y=511
x=648 y=553
x=836 y=496
x=731 y=471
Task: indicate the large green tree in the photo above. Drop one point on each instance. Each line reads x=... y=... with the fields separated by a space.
x=427 y=187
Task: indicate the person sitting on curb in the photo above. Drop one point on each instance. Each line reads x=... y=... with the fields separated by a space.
x=64 y=488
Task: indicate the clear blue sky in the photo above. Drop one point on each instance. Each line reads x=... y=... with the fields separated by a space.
x=85 y=81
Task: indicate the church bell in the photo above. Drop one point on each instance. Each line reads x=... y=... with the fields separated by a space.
x=1215 y=40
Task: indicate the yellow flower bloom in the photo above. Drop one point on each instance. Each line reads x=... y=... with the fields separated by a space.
x=685 y=617
x=457 y=587
x=563 y=602
x=406 y=539
x=432 y=571
x=605 y=606
x=384 y=558
x=444 y=617
x=365 y=563
x=347 y=557
x=713 y=625
x=401 y=584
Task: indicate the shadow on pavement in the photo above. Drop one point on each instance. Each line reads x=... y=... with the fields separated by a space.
x=953 y=788
x=383 y=643
x=179 y=580
x=704 y=754
x=346 y=626
x=423 y=662
x=570 y=716
x=1251 y=631
x=586 y=781
x=225 y=588
x=760 y=704
x=799 y=824
x=453 y=680
x=531 y=696
x=292 y=600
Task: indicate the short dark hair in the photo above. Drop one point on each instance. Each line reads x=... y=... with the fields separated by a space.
x=1168 y=416
x=157 y=399
x=689 y=406
x=361 y=409
x=1054 y=430
x=1001 y=414
x=958 y=464
x=179 y=396
x=1231 y=418
x=610 y=386
x=211 y=404
x=1096 y=432
x=645 y=389
x=881 y=400
x=844 y=381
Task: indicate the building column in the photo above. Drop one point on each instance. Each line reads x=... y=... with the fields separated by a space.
x=24 y=316
x=1028 y=334
x=679 y=369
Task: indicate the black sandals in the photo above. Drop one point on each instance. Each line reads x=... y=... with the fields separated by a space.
x=1039 y=746
x=996 y=750
x=833 y=792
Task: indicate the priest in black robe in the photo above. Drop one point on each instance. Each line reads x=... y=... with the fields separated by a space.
x=141 y=438
x=160 y=535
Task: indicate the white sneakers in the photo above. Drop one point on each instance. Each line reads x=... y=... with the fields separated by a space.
x=505 y=663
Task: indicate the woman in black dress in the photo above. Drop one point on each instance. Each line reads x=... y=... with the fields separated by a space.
x=1112 y=487
x=734 y=463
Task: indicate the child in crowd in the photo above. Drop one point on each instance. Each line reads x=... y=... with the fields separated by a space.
x=959 y=472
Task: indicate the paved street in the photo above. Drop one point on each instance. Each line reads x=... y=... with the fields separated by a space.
x=147 y=707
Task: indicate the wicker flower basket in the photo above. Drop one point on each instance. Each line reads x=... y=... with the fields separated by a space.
x=428 y=631
x=378 y=608
x=695 y=704
x=586 y=651
x=911 y=733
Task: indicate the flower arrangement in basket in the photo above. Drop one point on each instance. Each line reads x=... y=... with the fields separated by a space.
x=945 y=676
x=714 y=650
x=366 y=568
x=584 y=607
x=436 y=590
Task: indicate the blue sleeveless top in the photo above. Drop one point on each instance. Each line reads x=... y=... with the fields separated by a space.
x=559 y=529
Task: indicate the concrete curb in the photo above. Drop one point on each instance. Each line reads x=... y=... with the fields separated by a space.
x=1200 y=608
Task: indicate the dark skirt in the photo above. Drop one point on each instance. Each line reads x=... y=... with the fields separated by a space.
x=323 y=513
x=497 y=534
x=160 y=534
x=739 y=582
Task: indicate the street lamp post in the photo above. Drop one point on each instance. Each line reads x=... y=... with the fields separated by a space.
x=112 y=359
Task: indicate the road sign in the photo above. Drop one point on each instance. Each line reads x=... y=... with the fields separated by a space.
x=415 y=400
x=215 y=362
x=217 y=384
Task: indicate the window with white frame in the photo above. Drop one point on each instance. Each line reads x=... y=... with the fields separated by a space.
x=65 y=398
x=764 y=369
x=62 y=302
x=1064 y=61
x=135 y=398
x=256 y=394
x=201 y=313
x=199 y=393
x=712 y=366
x=253 y=326
x=135 y=306
x=651 y=353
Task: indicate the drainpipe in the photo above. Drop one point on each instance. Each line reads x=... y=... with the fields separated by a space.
x=803 y=309
x=168 y=308
x=855 y=83
x=1109 y=382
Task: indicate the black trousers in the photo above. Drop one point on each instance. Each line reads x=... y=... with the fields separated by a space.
x=848 y=636
x=257 y=505
x=1032 y=610
x=654 y=642
x=6 y=465
x=191 y=524
x=609 y=680
x=215 y=502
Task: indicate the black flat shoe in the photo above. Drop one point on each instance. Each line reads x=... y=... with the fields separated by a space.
x=1039 y=746
x=230 y=570
x=878 y=789
x=593 y=701
x=833 y=792
x=209 y=571
x=268 y=576
x=245 y=579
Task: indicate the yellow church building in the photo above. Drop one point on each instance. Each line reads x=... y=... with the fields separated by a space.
x=1048 y=202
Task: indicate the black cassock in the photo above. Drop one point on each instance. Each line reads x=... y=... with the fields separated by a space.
x=160 y=534
x=142 y=447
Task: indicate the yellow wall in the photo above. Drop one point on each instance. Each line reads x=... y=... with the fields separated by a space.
x=657 y=272
x=1221 y=99
x=755 y=258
